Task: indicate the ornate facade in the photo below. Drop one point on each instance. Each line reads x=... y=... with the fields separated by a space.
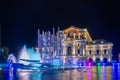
x=73 y=42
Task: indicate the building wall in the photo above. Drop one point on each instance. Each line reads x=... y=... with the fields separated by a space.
x=100 y=52
x=73 y=42
x=78 y=47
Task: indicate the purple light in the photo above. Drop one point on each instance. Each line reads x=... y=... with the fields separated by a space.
x=89 y=74
x=84 y=64
x=89 y=64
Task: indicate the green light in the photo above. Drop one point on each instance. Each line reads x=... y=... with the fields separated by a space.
x=98 y=70
x=98 y=64
x=56 y=67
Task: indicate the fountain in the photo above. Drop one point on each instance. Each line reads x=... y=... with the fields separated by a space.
x=23 y=56
x=33 y=55
x=11 y=59
x=29 y=56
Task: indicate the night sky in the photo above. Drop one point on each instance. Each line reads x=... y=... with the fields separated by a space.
x=21 y=18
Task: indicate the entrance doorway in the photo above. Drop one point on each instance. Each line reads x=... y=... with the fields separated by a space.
x=69 y=50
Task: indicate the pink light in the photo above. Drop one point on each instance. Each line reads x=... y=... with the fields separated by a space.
x=89 y=64
x=89 y=74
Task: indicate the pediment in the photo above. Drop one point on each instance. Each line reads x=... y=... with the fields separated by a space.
x=77 y=31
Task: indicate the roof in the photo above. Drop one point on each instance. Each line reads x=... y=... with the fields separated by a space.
x=99 y=41
x=78 y=30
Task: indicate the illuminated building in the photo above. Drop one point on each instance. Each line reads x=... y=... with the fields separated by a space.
x=73 y=42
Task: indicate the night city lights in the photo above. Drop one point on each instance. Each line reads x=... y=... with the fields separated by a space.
x=59 y=40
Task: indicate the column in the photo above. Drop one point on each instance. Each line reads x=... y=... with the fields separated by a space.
x=84 y=48
x=64 y=49
x=109 y=59
x=74 y=50
x=94 y=56
x=110 y=54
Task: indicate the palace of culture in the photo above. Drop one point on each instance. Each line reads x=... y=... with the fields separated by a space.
x=73 y=42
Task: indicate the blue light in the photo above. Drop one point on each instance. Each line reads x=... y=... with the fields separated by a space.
x=103 y=72
x=118 y=70
x=104 y=64
x=113 y=72
x=84 y=64
x=118 y=66
x=80 y=64
x=113 y=64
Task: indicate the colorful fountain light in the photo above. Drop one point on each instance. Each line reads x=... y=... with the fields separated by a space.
x=23 y=55
x=29 y=56
x=11 y=59
x=33 y=55
x=99 y=71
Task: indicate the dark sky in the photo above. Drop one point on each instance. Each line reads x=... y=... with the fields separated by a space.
x=21 y=18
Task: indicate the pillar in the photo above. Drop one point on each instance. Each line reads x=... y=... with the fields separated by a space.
x=74 y=50
x=84 y=50
x=64 y=49
x=93 y=58
x=109 y=59
x=110 y=55
x=93 y=53
x=101 y=58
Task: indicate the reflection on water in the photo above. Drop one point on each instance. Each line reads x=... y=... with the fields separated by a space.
x=103 y=72
x=89 y=73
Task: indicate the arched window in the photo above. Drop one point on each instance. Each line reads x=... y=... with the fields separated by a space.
x=83 y=35
x=78 y=51
x=69 y=50
x=97 y=59
x=68 y=35
x=105 y=60
x=97 y=52
x=90 y=51
x=90 y=60
x=78 y=48
x=105 y=51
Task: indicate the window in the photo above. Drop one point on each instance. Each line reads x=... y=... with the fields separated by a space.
x=78 y=51
x=68 y=34
x=90 y=51
x=105 y=51
x=78 y=45
x=97 y=52
x=78 y=48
